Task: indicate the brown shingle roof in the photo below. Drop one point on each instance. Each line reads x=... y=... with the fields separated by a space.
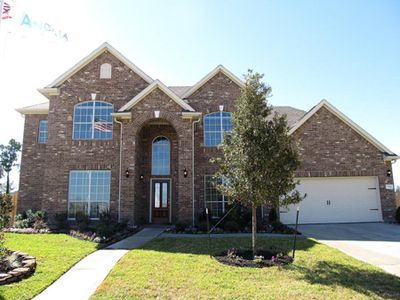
x=292 y=114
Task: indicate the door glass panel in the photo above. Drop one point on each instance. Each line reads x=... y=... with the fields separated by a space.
x=164 y=194
x=157 y=195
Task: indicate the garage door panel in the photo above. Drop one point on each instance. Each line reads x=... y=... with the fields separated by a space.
x=336 y=200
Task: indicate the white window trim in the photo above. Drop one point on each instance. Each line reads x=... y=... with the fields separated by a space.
x=224 y=202
x=89 y=187
x=47 y=133
x=93 y=117
x=222 y=132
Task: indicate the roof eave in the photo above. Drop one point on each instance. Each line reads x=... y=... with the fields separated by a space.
x=205 y=79
x=48 y=91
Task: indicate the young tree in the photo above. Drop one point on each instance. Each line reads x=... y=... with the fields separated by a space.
x=259 y=158
x=8 y=158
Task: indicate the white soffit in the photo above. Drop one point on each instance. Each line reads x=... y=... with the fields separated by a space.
x=156 y=84
x=219 y=68
x=82 y=63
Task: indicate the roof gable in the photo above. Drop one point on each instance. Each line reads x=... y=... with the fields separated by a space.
x=345 y=119
x=156 y=84
x=86 y=60
x=205 y=79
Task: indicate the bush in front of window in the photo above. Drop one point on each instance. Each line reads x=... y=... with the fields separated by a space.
x=61 y=221
x=31 y=219
x=82 y=221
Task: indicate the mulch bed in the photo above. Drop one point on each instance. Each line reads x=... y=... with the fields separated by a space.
x=244 y=258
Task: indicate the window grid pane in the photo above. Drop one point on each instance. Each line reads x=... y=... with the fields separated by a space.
x=89 y=192
x=215 y=125
x=43 y=132
x=93 y=120
x=214 y=200
x=160 y=156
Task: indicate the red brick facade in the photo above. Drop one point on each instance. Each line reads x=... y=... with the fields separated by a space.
x=329 y=147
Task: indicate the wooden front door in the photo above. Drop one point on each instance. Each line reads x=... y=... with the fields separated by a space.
x=160 y=201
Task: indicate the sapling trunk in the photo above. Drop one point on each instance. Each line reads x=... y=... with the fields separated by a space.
x=254 y=229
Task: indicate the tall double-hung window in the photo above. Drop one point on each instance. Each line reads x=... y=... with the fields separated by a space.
x=215 y=125
x=214 y=200
x=88 y=193
x=93 y=121
x=43 y=131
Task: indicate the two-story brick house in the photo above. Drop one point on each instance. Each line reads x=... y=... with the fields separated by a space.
x=111 y=137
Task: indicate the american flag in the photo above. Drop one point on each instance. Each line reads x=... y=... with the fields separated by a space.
x=101 y=125
x=5 y=14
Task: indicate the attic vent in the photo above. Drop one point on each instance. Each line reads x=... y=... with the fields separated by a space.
x=105 y=71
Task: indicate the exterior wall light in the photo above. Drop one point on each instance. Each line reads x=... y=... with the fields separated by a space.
x=127 y=173
x=141 y=177
x=93 y=96
x=221 y=108
x=185 y=173
x=389 y=173
x=156 y=113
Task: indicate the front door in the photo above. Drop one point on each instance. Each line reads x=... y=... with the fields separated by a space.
x=160 y=201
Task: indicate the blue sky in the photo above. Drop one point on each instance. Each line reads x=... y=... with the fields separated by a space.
x=344 y=51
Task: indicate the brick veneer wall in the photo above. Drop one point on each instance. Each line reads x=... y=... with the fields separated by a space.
x=329 y=147
x=33 y=165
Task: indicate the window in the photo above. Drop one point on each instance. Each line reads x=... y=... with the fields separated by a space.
x=89 y=193
x=160 y=156
x=43 y=131
x=93 y=121
x=215 y=125
x=105 y=71
x=214 y=200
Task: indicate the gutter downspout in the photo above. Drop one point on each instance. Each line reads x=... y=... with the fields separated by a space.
x=193 y=127
x=120 y=171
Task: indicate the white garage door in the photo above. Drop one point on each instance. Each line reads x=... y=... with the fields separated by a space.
x=336 y=200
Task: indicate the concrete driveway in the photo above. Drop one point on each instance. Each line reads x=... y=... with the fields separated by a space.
x=374 y=243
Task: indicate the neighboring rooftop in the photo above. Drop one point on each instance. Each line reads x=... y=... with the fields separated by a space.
x=292 y=114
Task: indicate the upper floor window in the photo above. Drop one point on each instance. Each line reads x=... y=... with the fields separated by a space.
x=215 y=125
x=105 y=71
x=160 y=156
x=43 y=132
x=93 y=121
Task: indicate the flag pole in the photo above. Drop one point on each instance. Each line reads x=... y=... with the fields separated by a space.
x=1 y=12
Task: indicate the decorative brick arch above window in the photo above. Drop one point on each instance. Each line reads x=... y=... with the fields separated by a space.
x=105 y=71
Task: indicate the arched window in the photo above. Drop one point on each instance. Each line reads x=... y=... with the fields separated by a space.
x=215 y=125
x=105 y=71
x=160 y=156
x=93 y=121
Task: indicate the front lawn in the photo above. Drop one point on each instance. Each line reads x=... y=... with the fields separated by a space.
x=55 y=254
x=179 y=268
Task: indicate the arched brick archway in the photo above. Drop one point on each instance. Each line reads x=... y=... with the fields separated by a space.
x=136 y=192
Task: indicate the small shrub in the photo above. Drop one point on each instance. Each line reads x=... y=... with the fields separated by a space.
x=180 y=227
x=39 y=224
x=202 y=226
x=398 y=215
x=231 y=226
x=21 y=221
x=82 y=221
x=272 y=216
x=106 y=218
x=61 y=221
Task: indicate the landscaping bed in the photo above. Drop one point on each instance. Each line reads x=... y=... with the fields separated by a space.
x=245 y=258
x=15 y=266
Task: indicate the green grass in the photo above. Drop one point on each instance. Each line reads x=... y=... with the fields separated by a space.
x=55 y=254
x=168 y=268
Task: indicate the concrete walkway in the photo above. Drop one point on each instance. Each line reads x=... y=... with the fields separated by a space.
x=82 y=280
x=374 y=243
